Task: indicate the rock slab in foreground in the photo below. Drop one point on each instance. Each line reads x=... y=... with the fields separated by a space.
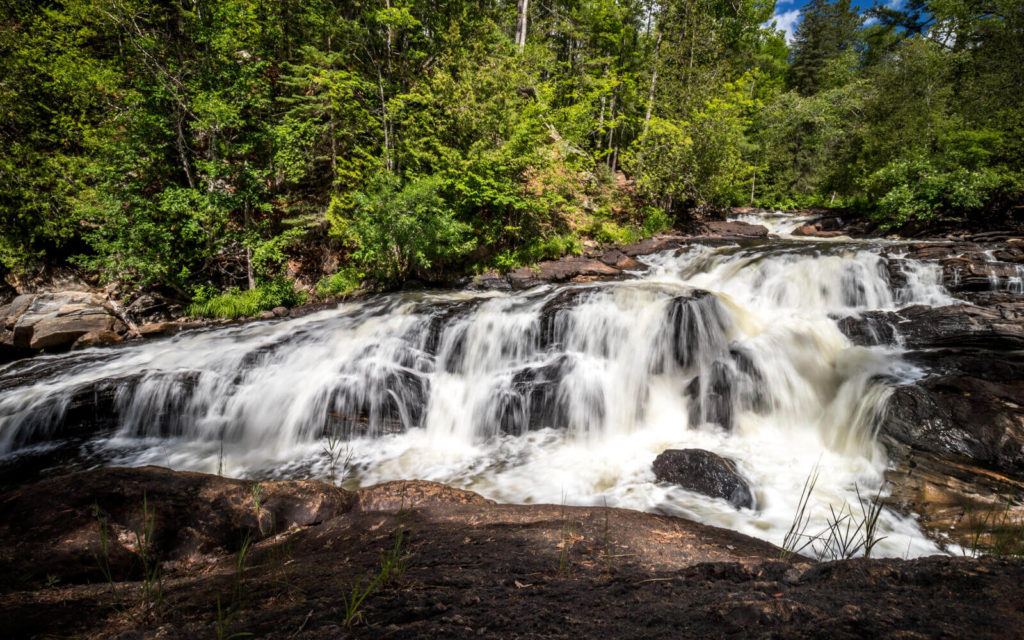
x=477 y=569
x=704 y=472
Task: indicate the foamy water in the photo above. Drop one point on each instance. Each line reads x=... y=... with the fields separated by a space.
x=558 y=394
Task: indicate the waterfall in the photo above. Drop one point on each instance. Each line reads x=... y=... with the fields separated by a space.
x=557 y=394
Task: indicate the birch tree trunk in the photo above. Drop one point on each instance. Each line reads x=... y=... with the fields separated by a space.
x=521 y=24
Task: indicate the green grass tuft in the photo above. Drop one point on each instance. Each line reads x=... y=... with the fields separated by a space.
x=237 y=304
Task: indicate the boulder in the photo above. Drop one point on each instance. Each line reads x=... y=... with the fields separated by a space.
x=654 y=244
x=704 y=472
x=55 y=320
x=734 y=230
x=619 y=260
x=816 y=230
x=152 y=307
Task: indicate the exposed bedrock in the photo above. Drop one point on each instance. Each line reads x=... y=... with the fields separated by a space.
x=999 y=327
x=192 y=515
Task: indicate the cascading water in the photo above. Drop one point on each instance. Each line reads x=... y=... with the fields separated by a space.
x=557 y=394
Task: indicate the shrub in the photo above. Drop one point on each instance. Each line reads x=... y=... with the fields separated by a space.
x=341 y=283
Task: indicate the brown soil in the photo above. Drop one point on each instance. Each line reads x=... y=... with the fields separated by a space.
x=478 y=569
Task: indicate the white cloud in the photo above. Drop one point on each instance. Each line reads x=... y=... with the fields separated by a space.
x=786 y=21
x=895 y=4
x=870 y=21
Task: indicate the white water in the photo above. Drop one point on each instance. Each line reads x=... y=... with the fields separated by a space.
x=559 y=394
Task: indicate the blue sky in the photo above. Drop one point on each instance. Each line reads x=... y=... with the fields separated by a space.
x=787 y=12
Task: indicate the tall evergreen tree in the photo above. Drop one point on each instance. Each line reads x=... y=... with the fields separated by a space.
x=827 y=29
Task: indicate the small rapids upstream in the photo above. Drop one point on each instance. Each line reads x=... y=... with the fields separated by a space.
x=559 y=394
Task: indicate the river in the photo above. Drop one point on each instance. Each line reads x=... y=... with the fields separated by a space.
x=558 y=394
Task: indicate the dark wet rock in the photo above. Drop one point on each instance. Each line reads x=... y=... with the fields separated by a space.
x=979 y=274
x=280 y=312
x=711 y=396
x=193 y=515
x=961 y=415
x=953 y=499
x=555 y=315
x=443 y=316
x=697 y=325
x=704 y=472
x=953 y=326
x=531 y=400
x=389 y=398
x=619 y=260
x=870 y=328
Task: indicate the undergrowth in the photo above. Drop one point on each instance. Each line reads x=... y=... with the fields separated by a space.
x=341 y=283
x=235 y=303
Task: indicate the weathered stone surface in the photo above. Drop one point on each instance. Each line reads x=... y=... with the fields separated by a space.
x=816 y=230
x=562 y=270
x=957 y=326
x=54 y=320
x=152 y=307
x=735 y=230
x=952 y=499
x=414 y=494
x=619 y=260
x=193 y=515
x=971 y=407
x=96 y=339
x=704 y=472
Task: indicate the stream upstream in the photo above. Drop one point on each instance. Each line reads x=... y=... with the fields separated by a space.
x=558 y=394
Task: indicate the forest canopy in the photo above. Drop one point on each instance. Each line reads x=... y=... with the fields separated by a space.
x=194 y=145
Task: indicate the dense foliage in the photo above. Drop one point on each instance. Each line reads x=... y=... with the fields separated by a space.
x=192 y=144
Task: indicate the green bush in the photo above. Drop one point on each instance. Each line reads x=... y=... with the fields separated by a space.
x=341 y=283
x=237 y=304
x=402 y=230
x=611 y=233
x=906 y=190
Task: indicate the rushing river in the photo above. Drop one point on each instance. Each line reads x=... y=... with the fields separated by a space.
x=560 y=394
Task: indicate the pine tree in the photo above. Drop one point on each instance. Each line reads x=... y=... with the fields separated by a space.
x=827 y=29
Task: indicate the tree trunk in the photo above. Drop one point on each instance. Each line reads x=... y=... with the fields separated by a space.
x=521 y=24
x=248 y=253
x=181 y=153
x=650 y=93
x=384 y=121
